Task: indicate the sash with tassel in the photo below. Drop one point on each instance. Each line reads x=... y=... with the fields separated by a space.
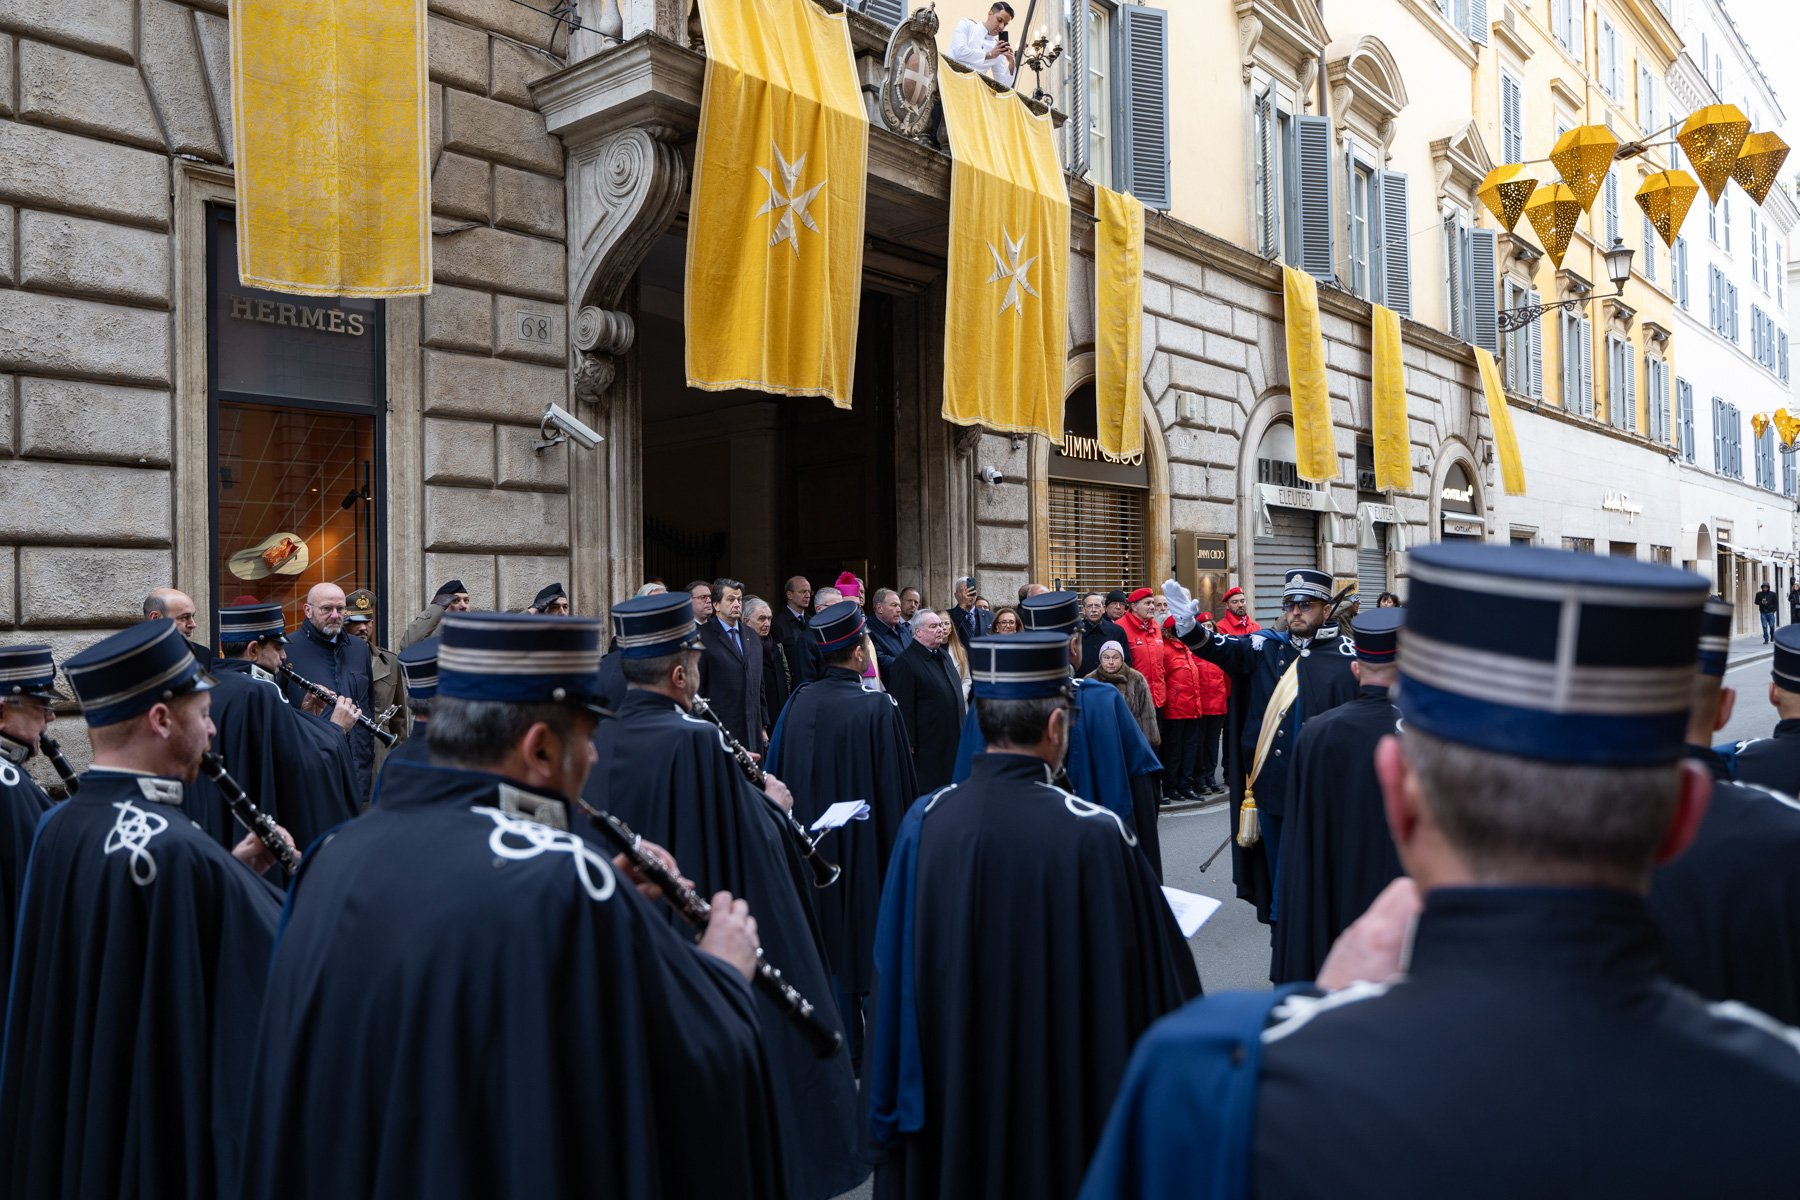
x=1287 y=690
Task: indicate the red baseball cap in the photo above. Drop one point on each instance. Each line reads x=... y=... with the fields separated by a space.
x=1140 y=594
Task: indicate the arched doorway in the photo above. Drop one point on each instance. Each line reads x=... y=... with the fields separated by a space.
x=1458 y=512
x=1286 y=515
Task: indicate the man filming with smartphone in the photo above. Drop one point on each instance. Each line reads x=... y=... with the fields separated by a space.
x=986 y=48
x=970 y=621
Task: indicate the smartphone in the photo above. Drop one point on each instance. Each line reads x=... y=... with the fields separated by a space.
x=973 y=585
x=1004 y=35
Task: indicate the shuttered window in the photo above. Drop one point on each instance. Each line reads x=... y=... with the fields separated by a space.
x=1483 y=299
x=1782 y=349
x=1684 y=403
x=1394 y=238
x=1293 y=543
x=1146 y=104
x=1478 y=22
x=1455 y=300
x=889 y=12
x=1371 y=568
x=1678 y=271
x=1096 y=537
x=1649 y=250
x=1512 y=125
x=1585 y=382
x=1612 y=206
x=1313 y=157
x=1536 y=355
x=1267 y=175
x=1075 y=91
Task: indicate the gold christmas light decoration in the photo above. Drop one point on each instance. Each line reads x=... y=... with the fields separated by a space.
x=1505 y=192
x=1553 y=210
x=1757 y=162
x=1711 y=138
x=1665 y=197
x=1583 y=156
x=1787 y=426
x=1758 y=424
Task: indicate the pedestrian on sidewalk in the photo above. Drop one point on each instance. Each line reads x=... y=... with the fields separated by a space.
x=1770 y=607
x=1115 y=670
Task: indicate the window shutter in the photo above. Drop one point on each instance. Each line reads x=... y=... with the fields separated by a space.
x=1684 y=398
x=1396 y=242
x=1615 y=384
x=1536 y=350
x=1735 y=424
x=888 y=12
x=1147 y=104
x=1587 y=367
x=1569 y=377
x=1512 y=137
x=1712 y=221
x=1602 y=48
x=1077 y=124
x=1678 y=270
x=1265 y=135
x=1663 y=399
x=1314 y=154
x=1783 y=344
x=1612 y=207
x=1712 y=297
x=1629 y=399
x=1731 y=311
x=1643 y=97
x=1649 y=250
x=1478 y=22
x=1482 y=286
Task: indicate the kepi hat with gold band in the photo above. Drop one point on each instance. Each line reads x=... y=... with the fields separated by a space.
x=652 y=626
x=28 y=671
x=1304 y=583
x=129 y=673
x=1549 y=654
x=1019 y=666
x=520 y=658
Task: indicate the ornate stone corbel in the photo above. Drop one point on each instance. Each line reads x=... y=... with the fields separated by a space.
x=1309 y=72
x=1250 y=28
x=967 y=438
x=600 y=334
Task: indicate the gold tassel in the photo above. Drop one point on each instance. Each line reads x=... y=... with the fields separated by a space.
x=1249 y=827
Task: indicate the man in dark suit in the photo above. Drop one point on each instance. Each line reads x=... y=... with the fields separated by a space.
x=790 y=631
x=926 y=685
x=889 y=633
x=971 y=622
x=731 y=667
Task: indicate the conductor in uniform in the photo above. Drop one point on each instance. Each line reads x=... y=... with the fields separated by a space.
x=27 y=690
x=1024 y=945
x=1529 y=1045
x=1289 y=677
x=1337 y=854
x=1774 y=761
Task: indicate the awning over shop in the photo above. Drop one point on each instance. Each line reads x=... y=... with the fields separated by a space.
x=774 y=261
x=1368 y=516
x=1006 y=307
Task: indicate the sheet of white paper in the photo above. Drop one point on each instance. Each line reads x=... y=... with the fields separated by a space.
x=1191 y=909
x=842 y=813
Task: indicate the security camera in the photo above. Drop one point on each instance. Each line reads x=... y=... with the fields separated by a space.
x=559 y=425
x=990 y=474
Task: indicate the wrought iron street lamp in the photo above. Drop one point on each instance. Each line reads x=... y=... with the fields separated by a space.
x=1618 y=269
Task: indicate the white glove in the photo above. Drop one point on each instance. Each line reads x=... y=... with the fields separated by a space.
x=1181 y=606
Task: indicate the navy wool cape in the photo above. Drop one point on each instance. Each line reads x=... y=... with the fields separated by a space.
x=467 y=1005
x=999 y=1042
x=1336 y=851
x=22 y=804
x=1110 y=762
x=837 y=742
x=668 y=775
x=142 y=952
x=293 y=765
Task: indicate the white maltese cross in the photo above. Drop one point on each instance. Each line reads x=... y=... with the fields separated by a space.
x=1013 y=271
x=794 y=205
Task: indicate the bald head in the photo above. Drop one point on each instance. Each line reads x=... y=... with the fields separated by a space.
x=168 y=604
x=325 y=609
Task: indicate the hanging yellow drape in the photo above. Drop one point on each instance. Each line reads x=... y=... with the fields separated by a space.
x=1118 y=322
x=1006 y=303
x=774 y=256
x=328 y=103
x=1393 y=465
x=1506 y=443
x=1315 y=448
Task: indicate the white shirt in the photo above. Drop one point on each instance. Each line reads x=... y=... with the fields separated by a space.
x=969 y=44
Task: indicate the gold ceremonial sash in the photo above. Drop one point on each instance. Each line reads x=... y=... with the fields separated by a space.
x=1287 y=690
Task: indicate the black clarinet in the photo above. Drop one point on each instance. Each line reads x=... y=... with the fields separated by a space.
x=287 y=672
x=253 y=818
x=824 y=1040
x=825 y=872
x=53 y=752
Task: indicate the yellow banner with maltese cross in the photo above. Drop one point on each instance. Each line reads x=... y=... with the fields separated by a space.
x=330 y=125
x=774 y=258
x=1006 y=308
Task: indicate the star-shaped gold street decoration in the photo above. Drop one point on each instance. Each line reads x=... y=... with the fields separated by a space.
x=1012 y=270
x=794 y=205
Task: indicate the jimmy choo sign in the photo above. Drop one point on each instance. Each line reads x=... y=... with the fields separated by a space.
x=1087 y=449
x=299 y=316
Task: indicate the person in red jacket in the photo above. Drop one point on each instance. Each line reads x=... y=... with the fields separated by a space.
x=1146 y=638
x=1180 y=747
x=1234 y=620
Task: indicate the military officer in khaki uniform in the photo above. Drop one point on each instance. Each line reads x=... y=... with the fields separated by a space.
x=387 y=685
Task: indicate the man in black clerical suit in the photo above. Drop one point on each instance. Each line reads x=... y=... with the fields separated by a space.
x=668 y=774
x=925 y=683
x=1024 y=945
x=731 y=667
x=1513 y=1035
x=1337 y=854
x=1774 y=761
x=141 y=955
x=27 y=689
x=469 y=999
x=1728 y=910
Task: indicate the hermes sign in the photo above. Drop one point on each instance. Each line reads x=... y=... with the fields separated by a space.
x=298 y=316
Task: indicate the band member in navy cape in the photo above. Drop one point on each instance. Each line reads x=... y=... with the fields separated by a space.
x=1729 y=909
x=1258 y=663
x=27 y=689
x=835 y=742
x=1109 y=762
x=1337 y=854
x=1024 y=945
x=468 y=1000
x=141 y=954
x=1774 y=761
x=668 y=775
x=1531 y=1045
x=293 y=765
x=419 y=668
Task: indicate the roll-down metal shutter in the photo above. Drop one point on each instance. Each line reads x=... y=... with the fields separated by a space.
x=1294 y=543
x=1096 y=538
x=1371 y=569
